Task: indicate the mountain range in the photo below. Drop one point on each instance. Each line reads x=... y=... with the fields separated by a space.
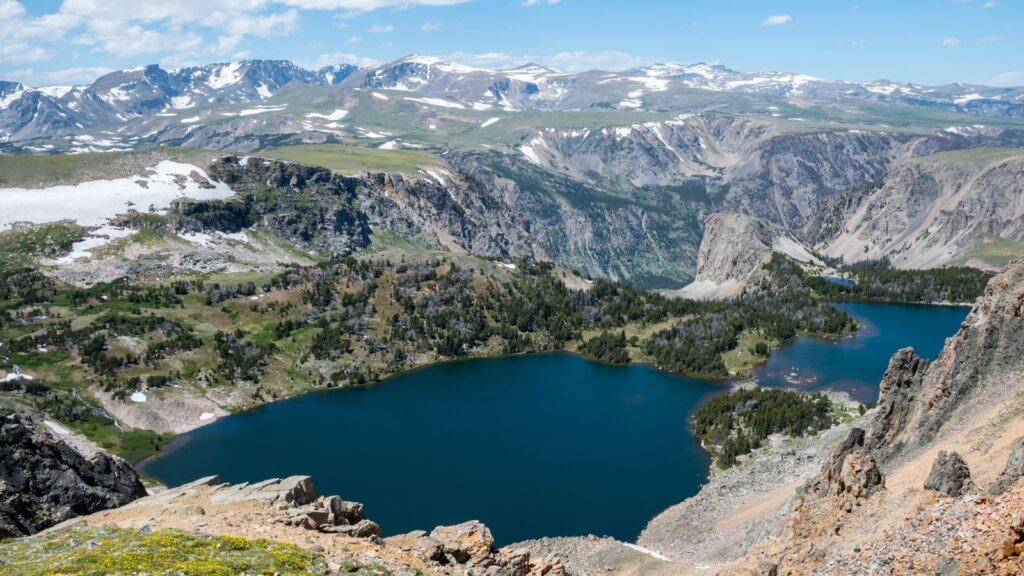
x=121 y=96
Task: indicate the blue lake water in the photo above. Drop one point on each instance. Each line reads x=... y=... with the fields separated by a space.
x=856 y=364
x=547 y=445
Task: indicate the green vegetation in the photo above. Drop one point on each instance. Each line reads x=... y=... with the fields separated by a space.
x=878 y=281
x=607 y=347
x=993 y=251
x=974 y=155
x=355 y=159
x=24 y=245
x=56 y=169
x=80 y=551
x=734 y=424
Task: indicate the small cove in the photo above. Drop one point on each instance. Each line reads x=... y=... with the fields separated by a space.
x=546 y=445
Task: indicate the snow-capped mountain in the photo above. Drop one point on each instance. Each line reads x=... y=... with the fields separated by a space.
x=148 y=90
x=435 y=83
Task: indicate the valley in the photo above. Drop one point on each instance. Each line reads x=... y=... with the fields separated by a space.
x=653 y=320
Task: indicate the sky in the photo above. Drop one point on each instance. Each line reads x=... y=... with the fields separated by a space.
x=48 y=42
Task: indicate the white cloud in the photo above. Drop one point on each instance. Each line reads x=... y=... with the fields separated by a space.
x=951 y=42
x=365 y=5
x=777 y=20
x=381 y=29
x=565 y=61
x=429 y=26
x=989 y=4
x=1014 y=78
x=990 y=39
x=539 y=2
x=353 y=40
x=342 y=58
x=80 y=75
x=178 y=29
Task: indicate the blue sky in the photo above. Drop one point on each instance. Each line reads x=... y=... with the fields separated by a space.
x=932 y=42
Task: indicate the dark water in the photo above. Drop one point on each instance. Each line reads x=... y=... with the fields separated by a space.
x=533 y=446
x=838 y=280
x=856 y=364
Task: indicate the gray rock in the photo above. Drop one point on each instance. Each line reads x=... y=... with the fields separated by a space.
x=1013 y=471
x=950 y=475
x=44 y=481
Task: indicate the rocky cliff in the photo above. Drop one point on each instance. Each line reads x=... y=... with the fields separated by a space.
x=934 y=211
x=933 y=485
x=45 y=481
x=733 y=252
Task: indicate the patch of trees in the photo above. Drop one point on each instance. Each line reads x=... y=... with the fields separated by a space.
x=607 y=347
x=240 y=359
x=733 y=424
x=878 y=280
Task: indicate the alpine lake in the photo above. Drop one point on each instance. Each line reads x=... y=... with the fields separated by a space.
x=547 y=445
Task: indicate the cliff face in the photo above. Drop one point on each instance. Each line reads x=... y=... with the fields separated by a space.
x=933 y=486
x=44 y=482
x=733 y=252
x=934 y=211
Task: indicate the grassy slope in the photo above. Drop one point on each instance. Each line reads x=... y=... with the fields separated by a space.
x=122 y=551
x=355 y=159
x=40 y=171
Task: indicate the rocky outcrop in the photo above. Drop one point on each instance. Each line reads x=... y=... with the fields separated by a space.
x=734 y=251
x=849 y=472
x=931 y=211
x=1013 y=471
x=44 y=481
x=950 y=475
x=918 y=399
x=898 y=391
x=291 y=509
x=963 y=406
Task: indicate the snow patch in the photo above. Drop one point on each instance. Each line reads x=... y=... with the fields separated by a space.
x=226 y=76
x=648 y=551
x=57 y=428
x=437 y=102
x=333 y=116
x=92 y=203
x=489 y=122
x=262 y=110
x=530 y=154
x=138 y=397
x=97 y=238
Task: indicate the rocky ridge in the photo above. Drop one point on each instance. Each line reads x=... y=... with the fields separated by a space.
x=44 y=481
x=902 y=497
x=291 y=510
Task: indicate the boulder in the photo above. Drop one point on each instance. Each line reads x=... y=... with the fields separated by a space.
x=849 y=470
x=467 y=543
x=362 y=529
x=860 y=476
x=950 y=475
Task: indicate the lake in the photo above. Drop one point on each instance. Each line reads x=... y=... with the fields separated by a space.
x=856 y=364
x=547 y=445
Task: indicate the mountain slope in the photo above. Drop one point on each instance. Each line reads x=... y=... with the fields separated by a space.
x=933 y=485
x=931 y=211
